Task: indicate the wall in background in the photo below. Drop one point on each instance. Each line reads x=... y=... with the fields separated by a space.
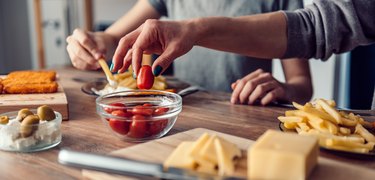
x=108 y=11
x=15 y=51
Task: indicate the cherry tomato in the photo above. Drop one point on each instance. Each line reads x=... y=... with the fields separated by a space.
x=160 y=111
x=138 y=127
x=109 y=109
x=145 y=78
x=142 y=110
x=120 y=126
x=155 y=127
x=148 y=105
x=121 y=113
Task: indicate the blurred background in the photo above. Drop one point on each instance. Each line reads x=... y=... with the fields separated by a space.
x=33 y=32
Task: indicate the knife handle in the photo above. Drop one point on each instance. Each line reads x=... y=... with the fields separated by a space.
x=108 y=164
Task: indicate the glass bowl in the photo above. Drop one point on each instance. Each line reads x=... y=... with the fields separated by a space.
x=45 y=135
x=139 y=115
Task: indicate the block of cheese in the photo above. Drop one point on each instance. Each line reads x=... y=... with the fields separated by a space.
x=180 y=157
x=278 y=155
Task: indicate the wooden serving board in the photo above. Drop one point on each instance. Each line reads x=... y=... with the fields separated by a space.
x=15 y=102
x=158 y=150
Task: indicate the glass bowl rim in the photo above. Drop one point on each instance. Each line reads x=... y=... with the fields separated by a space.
x=99 y=99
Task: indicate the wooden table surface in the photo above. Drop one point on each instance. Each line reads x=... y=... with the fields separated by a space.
x=85 y=131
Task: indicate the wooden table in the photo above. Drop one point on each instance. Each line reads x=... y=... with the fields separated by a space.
x=85 y=131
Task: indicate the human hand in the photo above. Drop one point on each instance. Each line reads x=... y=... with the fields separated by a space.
x=170 y=39
x=258 y=85
x=85 y=48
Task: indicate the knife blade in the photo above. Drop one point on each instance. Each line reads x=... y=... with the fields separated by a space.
x=129 y=167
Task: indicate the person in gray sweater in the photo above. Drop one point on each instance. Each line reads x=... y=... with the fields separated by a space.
x=318 y=30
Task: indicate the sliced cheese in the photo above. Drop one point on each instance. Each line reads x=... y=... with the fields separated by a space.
x=197 y=146
x=206 y=166
x=278 y=155
x=226 y=152
x=180 y=157
x=208 y=151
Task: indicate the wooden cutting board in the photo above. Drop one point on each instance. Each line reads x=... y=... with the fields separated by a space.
x=15 y=102
x=158 y=150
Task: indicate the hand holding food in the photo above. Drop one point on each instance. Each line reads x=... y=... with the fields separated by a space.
x=167 y=38
x=335 y=129
x=85 y=48
x=258 y=85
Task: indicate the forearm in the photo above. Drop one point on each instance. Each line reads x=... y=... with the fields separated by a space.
x=257 y=36
x=298 y=89
x=132 y=20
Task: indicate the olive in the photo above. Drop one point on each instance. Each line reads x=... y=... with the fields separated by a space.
x=23 y=113
x=29 y=125
x=46 y=113
x=4 y=119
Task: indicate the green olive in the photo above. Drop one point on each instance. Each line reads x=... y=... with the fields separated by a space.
x=23 y=113
x=4 y=119
x=46 y=113
x=29 y=125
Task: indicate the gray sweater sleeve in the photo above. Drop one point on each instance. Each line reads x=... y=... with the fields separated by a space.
x=330 y=26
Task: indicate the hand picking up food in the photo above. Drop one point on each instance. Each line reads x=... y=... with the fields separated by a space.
x=335 y=129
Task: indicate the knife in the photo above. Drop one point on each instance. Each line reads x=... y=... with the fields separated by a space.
x=128 y=167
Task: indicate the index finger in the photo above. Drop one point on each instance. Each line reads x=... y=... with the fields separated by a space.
x=122 y=49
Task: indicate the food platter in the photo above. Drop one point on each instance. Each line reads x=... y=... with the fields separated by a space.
x=370 y=155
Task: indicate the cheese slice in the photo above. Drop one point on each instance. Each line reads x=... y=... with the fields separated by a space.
x=180 y=157
x=208 y=151
x=278 y=155
x=197 y=146
x=226 y=152
x=206 y=166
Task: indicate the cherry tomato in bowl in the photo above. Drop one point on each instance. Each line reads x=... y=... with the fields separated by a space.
x=114 y=106
x=145 y=78
x=144 y=114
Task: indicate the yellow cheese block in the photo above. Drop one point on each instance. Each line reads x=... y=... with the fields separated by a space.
x=278 y=155
x=180 y=157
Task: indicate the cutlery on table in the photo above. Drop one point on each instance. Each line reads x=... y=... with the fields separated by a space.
x=116 y=165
